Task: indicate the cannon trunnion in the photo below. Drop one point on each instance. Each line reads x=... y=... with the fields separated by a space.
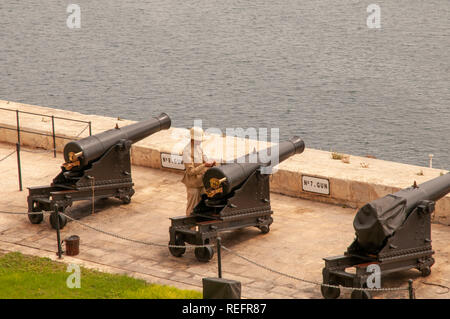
x=97 y=166
x=393 y=233
x=237 y=196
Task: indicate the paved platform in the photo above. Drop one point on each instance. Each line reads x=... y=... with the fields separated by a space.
x=354 y=183
x=302 y=234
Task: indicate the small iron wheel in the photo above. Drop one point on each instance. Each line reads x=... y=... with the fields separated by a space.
x=330 y=292
x=177 y=251
x=264 y=229
x=36 y=218
x=126 y=199
x=426 y=271
x=361 y=294
x=62 y=221
x=204 y=254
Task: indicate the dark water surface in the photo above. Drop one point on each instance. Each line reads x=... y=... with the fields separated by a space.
x=311 y=68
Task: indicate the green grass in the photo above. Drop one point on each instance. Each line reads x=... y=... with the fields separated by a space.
x=33 y=277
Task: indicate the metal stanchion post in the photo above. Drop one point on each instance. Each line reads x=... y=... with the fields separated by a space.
x=90 y=128
x=412 y=294
x=219 y=256
x=54 y=137
x=19 y=167
x=18 y=126
x=58 y=235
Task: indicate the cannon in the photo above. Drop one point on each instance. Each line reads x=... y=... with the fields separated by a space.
x=237 y=195
x=98 y=166
x=393 y=232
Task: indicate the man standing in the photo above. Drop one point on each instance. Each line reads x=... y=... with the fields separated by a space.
x=196 y=164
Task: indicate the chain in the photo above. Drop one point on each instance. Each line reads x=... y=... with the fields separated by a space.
x=310 y=281
x=28 y=213
x=1 y=160
x=211 y=245
x=109 y=233
x=437 y=285
x=135 y=240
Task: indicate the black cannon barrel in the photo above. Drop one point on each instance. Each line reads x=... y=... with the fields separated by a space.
x=96 y=145
x=432 y=190
x=379 y=219
x=237 y=172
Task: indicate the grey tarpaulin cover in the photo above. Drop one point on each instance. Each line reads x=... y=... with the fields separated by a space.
x=378 y=220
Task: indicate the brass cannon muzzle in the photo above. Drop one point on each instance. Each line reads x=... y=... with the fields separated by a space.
x=73 y=160
x=215 y=186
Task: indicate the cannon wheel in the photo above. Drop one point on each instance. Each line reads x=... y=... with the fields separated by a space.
x=426 y=271
x=204 y=254
x=126 y=199
x=264 y=229
x=330 y=292
x=175 y=251
x=62 y=221
x=425 y=266
x=125 y=195
x=36 y=218
x=361 y=294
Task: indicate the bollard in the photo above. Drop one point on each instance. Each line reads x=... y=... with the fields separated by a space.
x=219 y=288
x=412 y=294
x=19 y=166
x=72 y=245
x=219 y=257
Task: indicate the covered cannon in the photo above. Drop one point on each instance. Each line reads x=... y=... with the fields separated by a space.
x=376 y=221
x=393 y=232
x=98 y=166
x=237 y=196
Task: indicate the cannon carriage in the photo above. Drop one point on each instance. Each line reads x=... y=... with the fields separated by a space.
x=237 y=196
x=95 y=167
x=393 y=232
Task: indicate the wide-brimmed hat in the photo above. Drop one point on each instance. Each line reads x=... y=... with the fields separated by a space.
x=196 y=133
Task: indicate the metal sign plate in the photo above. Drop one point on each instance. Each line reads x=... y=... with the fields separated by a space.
x=315 y=185
x=174 y=161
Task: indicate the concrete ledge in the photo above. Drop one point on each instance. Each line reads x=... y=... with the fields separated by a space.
x=351 y=184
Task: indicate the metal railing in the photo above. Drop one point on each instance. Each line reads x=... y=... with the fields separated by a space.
x=53 y=133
